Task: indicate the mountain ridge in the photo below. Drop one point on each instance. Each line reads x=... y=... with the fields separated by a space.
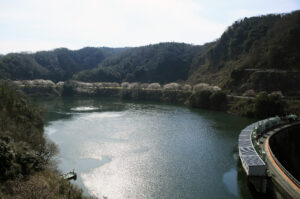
x=257 y=53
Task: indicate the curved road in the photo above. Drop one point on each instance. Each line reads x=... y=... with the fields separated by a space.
x=279 y=178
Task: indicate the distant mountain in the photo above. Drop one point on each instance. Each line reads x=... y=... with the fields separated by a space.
x=259 y=53
x=57 y=65
x=164 y=62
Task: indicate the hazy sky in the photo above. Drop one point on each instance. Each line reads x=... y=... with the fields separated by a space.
x=31 y=25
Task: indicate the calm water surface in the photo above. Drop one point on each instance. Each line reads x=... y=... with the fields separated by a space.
x=146 y=150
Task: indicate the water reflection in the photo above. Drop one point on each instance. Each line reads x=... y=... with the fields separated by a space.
x=140 y=150
x=230 y=180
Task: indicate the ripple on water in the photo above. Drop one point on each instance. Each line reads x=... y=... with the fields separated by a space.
x=84 y=108
x=148 y=151
x=96 y=116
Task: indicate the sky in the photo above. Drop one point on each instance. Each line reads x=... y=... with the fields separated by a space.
x=33 y=25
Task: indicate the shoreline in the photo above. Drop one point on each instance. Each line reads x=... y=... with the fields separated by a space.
x=201 y=96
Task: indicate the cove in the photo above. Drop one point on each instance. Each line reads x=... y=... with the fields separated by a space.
x=124 y=149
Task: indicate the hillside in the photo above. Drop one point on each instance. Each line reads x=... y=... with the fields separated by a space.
x=259 y=53
x=164 y=62
x=57 y=65
x=25 y=154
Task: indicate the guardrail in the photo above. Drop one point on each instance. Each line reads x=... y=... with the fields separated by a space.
x=251 y=160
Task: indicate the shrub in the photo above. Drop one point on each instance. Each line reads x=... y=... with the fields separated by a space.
x=17 y=159
x=268 y=105
x=201 y=99
x=59 y=84
x=111 y=84
x=68 y=88
x=24 y=160
x=249 y=93
x=204 y=86
x=200 y=87
x=98 y=85
x=46 y=184
x=6 y=157
x=124 y=84
x=218 y=100
x=134 y=85
x=172 y=87
x=187 y=87
x=154 y=86
x=144 y=85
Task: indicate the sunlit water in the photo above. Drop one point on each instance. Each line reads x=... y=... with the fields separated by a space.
x=146 y=150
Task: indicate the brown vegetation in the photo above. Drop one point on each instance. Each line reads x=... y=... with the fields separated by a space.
x=25 y=154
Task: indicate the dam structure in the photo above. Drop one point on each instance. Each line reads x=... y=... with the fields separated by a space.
x=269 y=154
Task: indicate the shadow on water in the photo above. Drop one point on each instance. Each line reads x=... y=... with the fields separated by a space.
x=248 y=187
x=223 y=121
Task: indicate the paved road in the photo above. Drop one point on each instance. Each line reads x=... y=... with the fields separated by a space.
x=279 y=178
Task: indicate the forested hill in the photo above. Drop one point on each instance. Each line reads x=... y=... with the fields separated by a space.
x=57 y=65
x=259 y=53
x=164 y=62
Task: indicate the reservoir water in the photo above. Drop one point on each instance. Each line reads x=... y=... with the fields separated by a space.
x=146 y=150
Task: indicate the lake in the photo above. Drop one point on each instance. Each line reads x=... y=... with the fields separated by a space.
x=122 y=149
